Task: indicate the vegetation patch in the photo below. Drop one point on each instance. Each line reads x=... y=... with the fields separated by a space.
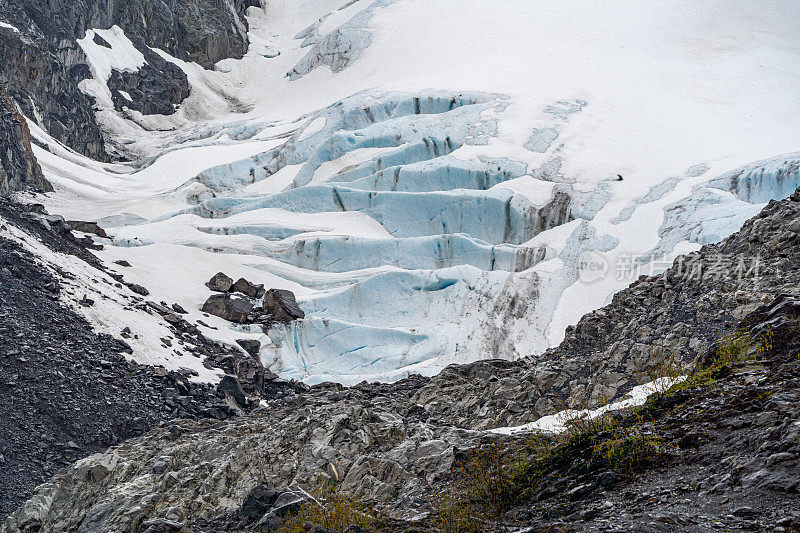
x=557 y=470
x=335 y=510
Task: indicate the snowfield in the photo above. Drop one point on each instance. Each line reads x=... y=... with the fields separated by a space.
x=430 y=177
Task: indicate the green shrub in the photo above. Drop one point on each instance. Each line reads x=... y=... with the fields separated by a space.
x=629 y=453
x=333 y=510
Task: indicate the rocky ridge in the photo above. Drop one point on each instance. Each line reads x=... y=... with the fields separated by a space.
x=392 y=445
x=18 y=166
x=68 y=391
x=44 y=64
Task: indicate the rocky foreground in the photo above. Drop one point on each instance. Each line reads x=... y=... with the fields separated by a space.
x=728 y=454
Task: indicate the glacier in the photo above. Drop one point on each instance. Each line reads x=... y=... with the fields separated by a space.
x=425 y=183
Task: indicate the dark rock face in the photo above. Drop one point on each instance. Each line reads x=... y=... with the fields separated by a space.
x=233 y=309
x=220 y=283
x=157 y=88
x=87 y=227
x=281 y=304
x=18 y=166
x=250 y=346
x=43 y=63
x=46 y=88
x=230 y=385
x=250 y=290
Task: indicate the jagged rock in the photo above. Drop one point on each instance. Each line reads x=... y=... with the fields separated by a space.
x=157 y=88
x=179 y=309
x=138 y=289
x=44 y=64
x=160 y=525
x=18 y=166
x=251 y=346
x=230 y=385
x=122 y=262
x=260 y=501
x=220 y=283
x=231 y=308
x=87 y=227
x=250 y=290
x=281 y=304
x=286 y=503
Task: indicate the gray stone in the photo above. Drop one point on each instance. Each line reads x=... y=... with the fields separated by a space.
x=230 y=308
x=220 y=283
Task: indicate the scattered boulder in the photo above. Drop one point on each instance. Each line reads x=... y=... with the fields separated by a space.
x=286 y=503
x=179 y=309
x=122 y=262
x=138 y=289
x=220 y=283
x=87 y=227
x=230 y=385
x=258 y=503
x=250 y=346
x=248 y=289
x=282 y=305
x=232 y=309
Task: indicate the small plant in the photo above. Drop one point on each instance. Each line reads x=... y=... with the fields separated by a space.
x=334 y=510
x=488 y=476
x=453 y=516
x=733 y=347
x=628 y=453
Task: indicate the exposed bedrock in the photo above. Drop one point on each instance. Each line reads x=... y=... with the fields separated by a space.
x=157 y=88
x=44 y=64
x=18 y=166
x=46 y=90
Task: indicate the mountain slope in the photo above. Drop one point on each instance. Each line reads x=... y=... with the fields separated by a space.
x=393 y=444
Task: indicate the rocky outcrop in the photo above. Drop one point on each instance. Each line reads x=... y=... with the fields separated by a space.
x=231 y=308
x=157 y=88
x=46 y=87
x=18 y=166
x=67 y=391
x=394 y=444
x=44 y=64
x=278 y=305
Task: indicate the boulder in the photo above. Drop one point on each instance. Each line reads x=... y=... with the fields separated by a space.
x=87 y=227
x=220 y=283
x=138 y=289
x=230 y=308
x=250 y=346
x=282 y=305
x=286 y=503
x=248 y=289
x=230 y=385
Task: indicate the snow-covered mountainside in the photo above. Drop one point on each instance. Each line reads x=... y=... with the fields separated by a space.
x=437 y=182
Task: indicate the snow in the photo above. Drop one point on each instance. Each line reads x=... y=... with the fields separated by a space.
x=121 y=55
x=8 y=26
x=559 y=422
x=429 y=175
x=113 y=308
